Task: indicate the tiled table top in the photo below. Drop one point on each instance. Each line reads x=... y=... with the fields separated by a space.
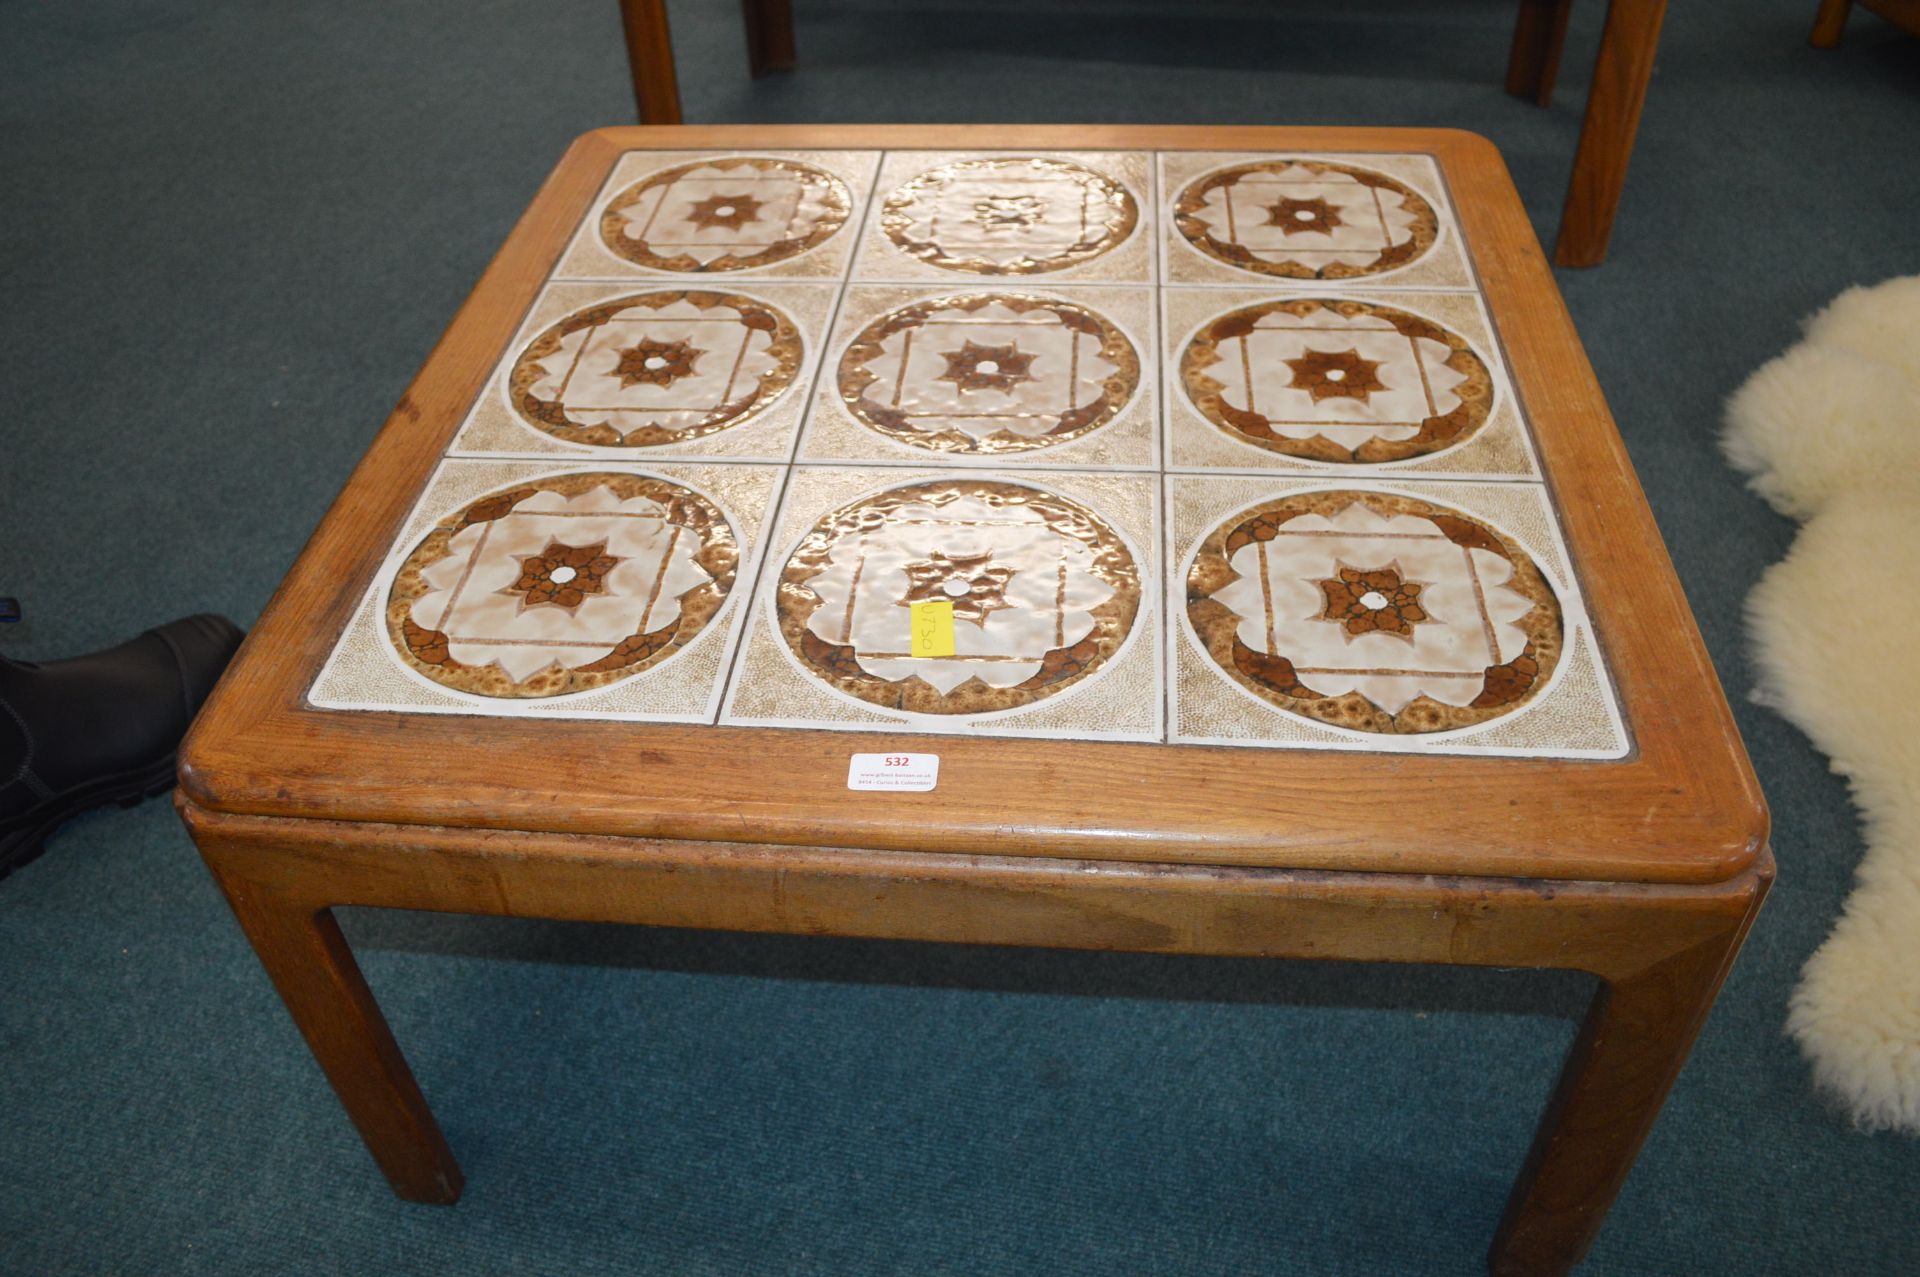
x=1200 y=448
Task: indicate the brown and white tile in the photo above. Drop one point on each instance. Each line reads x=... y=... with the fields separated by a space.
x=635 y=372
x=1053 y=580
x=1309 y=221
x=1354 y=383
x=1432 y=617
x=1010 y=217
x=994 y=375
x=703 y=215
x=589 y=590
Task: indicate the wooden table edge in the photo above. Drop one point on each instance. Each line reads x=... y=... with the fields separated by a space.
x=861 y=892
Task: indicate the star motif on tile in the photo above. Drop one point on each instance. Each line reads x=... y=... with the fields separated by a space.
x=970 y=582
x=1299 y=216
x=1335 y=374
x=1004 y=211
x=1373 y=602
x=563 y=575
x=998 y=368
x=724 y=212
x=656 y=363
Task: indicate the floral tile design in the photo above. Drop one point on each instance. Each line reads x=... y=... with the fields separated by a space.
x=1262 y=379
x=1197 y=448
x=972 y=219
x=705 y=217
x=592 y=590
x=1437 y=617
x=1052 y=581
x=1306 y=221
x=637 y=372
x=992 y=375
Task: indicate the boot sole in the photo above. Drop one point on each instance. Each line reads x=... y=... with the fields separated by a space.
x=23 y=838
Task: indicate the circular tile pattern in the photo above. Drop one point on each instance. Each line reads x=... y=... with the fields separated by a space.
x=1334 y=380
x=988 y=373
x=654 y=369
x=1009 y=216
x=1375 y=612
x=562 y=584
x=736 y=213
x=1043 y=592
x=1306 y=219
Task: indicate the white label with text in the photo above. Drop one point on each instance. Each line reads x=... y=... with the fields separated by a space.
x=901 y=773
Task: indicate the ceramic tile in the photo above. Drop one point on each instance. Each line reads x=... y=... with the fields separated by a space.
x=1052 y=578
x=1356 y=383
x=967 y=219
x=1309 y=221
x=1421 y=617
x=577 y=591
x=998 y=375
x=723 y=216
x=986 y=380
x=631 y=373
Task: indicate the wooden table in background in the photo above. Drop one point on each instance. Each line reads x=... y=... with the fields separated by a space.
x=1621 y=72
x=1645 y=871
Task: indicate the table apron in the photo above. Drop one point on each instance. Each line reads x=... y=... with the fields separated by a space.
x=1612 y=930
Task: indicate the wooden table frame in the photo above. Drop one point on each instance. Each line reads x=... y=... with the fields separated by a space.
x=1645 y=872
x=1828 y=23
x=1622 y=69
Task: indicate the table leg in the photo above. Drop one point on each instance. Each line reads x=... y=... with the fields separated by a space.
x=1620 y=76
x=1661 y=951
x=1628 y=1054
x=1538 y=37
x=656 y=89
x=769 y=35
x=309 y=962
x=1829 y=23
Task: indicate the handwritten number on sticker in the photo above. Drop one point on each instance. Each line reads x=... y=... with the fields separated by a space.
x=931 y=625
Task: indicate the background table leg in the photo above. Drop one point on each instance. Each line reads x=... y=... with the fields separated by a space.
x=1620 y=76
x=769 y=35
x=1629 y=1051
x=1538 y=36
x=1829 y=23
x=309 y=962
x=656 y=89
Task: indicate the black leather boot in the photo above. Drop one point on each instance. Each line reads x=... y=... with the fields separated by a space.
x=101 y=728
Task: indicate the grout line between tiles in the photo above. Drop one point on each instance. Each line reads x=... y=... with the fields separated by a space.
x=777 y=502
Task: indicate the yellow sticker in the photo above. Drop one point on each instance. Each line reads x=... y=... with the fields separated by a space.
x=932 y=623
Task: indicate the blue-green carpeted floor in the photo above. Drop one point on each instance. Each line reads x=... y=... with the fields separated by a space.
x=230 y=231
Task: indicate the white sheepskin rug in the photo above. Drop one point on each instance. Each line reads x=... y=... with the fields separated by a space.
x=1830 y=432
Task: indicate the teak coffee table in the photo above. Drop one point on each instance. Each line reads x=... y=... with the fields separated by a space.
x=1223 y=522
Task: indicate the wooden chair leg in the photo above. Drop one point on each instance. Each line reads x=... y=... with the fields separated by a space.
x=1538 y=36
x=769 y=35
x=309 y=963
x=656 y=90
x=1829 y=23
x=1620 y=76
x=1629 y=1051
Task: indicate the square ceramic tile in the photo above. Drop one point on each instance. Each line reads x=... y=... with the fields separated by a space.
x=723 y=216
x=976 y=218
x=1430 y=617
x=1309 y=221
x=1359 y=383
x=633 y=372
x=1022 y=377
x=1052 y=580
x=545 y=589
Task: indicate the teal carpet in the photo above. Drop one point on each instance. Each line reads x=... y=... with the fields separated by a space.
x=231 y=230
